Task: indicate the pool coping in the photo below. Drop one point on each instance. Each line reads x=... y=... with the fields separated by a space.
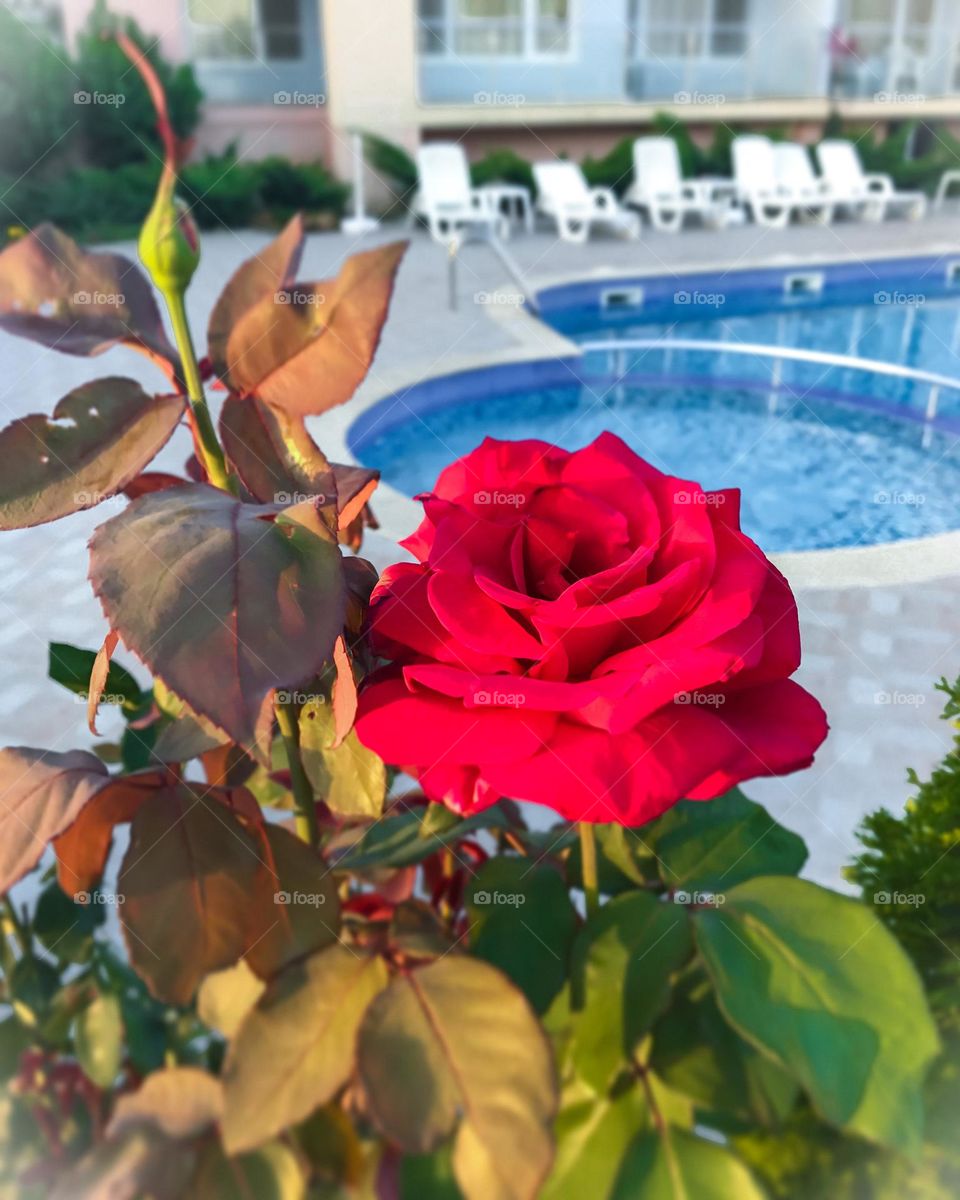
x=909 y=560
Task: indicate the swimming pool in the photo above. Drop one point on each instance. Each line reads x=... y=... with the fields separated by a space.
x=828 y=453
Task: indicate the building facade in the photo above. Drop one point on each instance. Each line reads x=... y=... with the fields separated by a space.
x=546 y=76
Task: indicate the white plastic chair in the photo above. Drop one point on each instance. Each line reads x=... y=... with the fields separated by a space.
x=563 y=195
x=871 y=196
x=758 y=184
x=665 y=197
x=446 y=200
x=795 y=174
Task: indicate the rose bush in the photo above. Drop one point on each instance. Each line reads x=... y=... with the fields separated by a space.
x=585 y=632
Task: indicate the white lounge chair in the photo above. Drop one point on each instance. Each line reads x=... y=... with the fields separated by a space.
x=758 y=184
x=795 y=174
x=563 y=195
x=871 y=196
x=665 y=197
x=446 y=200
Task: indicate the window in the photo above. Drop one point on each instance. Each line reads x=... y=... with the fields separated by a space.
x=494 y=28
x=246 y=30
x=693 y=29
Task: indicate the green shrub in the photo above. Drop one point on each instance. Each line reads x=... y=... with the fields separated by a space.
x=503 y=166
x=36 y=97
x=221 y=192
x=615 y=169
x=125 y=130
x=286 y=188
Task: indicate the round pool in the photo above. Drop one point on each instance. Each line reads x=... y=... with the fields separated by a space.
x=815 y=472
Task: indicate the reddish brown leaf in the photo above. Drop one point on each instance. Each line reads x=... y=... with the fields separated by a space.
x=190 y=880
x=83 y=848
x=278 y=461
x=344 y=693
x=224 y=601
x=151 y=481
x=308 y=348
x=100 y=437
x=41 y=794
x=98 y=677
x=298 y=906
x=77 y=302
x=272 y=270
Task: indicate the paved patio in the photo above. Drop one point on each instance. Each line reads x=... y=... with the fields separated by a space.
x=871 y=653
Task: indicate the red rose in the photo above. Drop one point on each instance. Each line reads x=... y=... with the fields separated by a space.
x=584 y=632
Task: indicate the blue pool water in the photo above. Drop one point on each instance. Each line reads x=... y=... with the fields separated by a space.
x=824 y=455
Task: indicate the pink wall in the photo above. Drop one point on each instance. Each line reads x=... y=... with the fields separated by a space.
x=301 y=134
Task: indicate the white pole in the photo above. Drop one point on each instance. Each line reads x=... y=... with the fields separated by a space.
x=359 y=223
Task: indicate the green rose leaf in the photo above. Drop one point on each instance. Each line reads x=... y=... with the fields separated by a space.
x=685 y=1168
x=295 y=1048
x=98 y=1037
x=404 y=839
x=623 y=961
x=455 y=1046
x=350 y=779
x=223 y=601
x=193 y=881
x=815 y=980
x=70 y=666
x=522 y=921
x=697 y=1053
x=593 y=1133
x=715 y=845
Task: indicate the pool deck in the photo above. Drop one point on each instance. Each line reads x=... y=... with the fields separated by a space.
x=872 y=646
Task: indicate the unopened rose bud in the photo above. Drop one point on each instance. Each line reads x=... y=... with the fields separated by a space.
x=169 y=242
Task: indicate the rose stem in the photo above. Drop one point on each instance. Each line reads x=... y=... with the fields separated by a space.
x=306 y=809
x=588 y=867
x=208 y=446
